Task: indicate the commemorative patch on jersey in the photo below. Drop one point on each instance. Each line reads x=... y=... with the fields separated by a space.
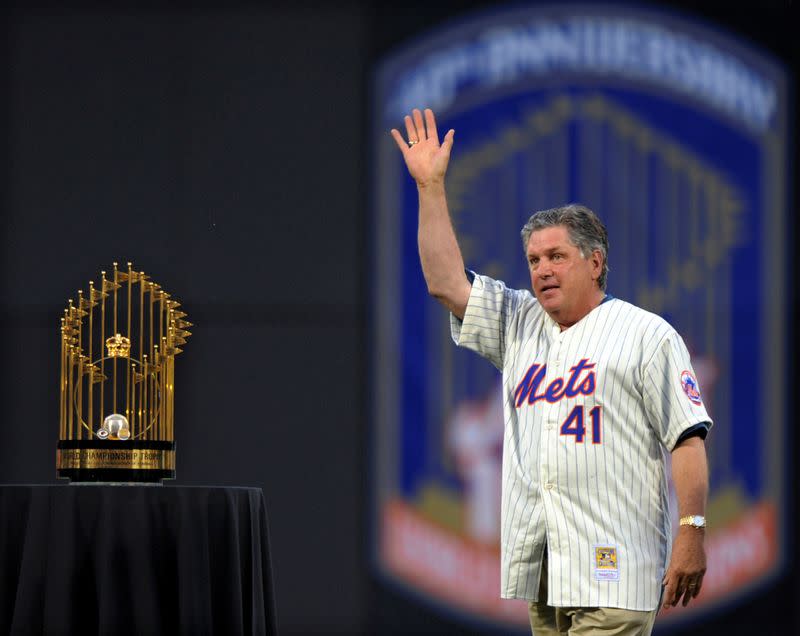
x=606 y=563
x=691 y=388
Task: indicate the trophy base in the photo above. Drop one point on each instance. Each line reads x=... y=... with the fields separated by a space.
x=115 y=461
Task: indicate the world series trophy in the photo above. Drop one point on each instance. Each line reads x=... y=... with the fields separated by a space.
x=117 y=381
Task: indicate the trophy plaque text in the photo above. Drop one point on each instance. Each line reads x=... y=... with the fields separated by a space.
x=117 y=382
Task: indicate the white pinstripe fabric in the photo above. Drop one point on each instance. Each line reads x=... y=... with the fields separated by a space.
x=568 y=495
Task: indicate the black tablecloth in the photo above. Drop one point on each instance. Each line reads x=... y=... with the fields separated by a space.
x=134 y=560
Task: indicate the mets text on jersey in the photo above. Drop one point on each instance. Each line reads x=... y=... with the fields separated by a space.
x=558 y=388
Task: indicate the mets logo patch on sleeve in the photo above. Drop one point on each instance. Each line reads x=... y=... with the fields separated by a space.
x=606 y=563
x=690 y=387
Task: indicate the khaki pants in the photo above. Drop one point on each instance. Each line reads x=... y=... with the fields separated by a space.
x=585 y=621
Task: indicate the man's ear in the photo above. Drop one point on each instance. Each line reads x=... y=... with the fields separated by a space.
x=596 y=260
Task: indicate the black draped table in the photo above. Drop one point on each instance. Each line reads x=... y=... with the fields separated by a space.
x=95 y=559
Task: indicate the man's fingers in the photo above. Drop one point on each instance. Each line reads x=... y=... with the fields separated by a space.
x=411 y=129
x=401 y=143
x=448 y=140
x=691 y=590
x=669 y=593
x=688 y=588
x=419 y=129
x=419 y=124
x=680 y=589
x=694 y=587
x=430 y=122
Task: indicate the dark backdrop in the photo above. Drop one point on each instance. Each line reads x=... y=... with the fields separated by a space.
x=222 y=149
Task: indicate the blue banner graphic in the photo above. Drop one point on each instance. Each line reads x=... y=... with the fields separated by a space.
x=674 y=133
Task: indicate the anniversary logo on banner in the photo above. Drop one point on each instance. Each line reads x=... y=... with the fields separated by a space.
x=673 y=132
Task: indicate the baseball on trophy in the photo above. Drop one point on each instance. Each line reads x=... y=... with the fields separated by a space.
x=116 y=427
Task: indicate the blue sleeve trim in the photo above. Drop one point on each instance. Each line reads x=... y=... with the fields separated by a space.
x=470 y=276
x=698 y=430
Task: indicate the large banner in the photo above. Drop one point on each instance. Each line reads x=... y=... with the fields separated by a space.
x=673 y=132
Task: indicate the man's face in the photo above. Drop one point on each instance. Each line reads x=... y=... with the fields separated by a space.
x=563 y=281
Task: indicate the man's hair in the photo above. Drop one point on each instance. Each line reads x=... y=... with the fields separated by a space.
x=586 y=231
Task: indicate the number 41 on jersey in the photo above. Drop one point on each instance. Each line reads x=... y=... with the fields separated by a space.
x=574 y=424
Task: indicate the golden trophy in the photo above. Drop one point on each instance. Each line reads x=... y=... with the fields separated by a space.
x=117 y=381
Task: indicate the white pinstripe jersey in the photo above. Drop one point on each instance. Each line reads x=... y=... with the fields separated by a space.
x=590 y=414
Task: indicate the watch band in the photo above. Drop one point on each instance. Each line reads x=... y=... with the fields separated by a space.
x=696 y=521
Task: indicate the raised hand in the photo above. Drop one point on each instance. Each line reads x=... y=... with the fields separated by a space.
x=425 y=158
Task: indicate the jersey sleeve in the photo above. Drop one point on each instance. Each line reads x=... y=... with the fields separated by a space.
x=490 y=308
x=672 y=395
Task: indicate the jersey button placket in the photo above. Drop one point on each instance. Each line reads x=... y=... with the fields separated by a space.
x=550 y=421
x=549 y=415
x=554 y=371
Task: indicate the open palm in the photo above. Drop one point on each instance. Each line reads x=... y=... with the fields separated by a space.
x=425 y=158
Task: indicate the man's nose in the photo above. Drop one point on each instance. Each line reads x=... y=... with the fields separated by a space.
x=544 y=270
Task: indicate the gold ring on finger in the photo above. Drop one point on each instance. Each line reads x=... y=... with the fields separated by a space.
x=413 y=142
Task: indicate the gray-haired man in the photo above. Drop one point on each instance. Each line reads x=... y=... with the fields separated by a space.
x=596 y=393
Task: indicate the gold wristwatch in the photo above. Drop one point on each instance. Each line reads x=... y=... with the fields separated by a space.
x=696 y=521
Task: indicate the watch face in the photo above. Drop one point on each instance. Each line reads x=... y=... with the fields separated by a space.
x=698 y=520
